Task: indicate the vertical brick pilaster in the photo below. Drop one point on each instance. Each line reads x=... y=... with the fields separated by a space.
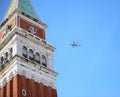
x=37 y=89
x=41 y=93
x=49 y=92
x=29 y=88
x=15 y=86
x=33 y=88
x=24 y=85
x=19 y=86
x=2 y=92
x=8 y=89
x=46 y=91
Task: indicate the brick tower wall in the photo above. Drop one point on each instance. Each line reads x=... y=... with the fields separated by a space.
x=25 y=24
x=14 y=88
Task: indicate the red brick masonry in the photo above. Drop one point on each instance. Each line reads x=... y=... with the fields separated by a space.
x=14 y=87
x=24 y=24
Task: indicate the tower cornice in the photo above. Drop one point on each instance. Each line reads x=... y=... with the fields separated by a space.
x=15 y=67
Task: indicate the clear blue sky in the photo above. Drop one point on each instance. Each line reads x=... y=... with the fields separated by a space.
x=93 y=69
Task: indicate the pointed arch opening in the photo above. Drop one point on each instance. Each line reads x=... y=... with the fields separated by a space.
x=11 y=52
x=44 y=61
x=2 y=61
x=24 y=51
x=6 y=56
x=37 y=57
x=31 y=54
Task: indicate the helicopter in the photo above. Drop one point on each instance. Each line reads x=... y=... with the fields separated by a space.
x=75 y=44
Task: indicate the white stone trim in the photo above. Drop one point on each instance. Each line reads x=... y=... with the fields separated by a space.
x=29 y=72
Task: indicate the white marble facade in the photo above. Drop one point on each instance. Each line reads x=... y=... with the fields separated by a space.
x=18 y=64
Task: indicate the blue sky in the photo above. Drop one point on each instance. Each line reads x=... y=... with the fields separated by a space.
x=93 y=69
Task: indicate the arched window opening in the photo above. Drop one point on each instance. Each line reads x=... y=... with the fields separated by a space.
x=6 y=57
x=31 y=54
x=8 y=29
x=2 y=61
x=44 y=61
x=37 y=57
x=11 y=52
x=24 y=51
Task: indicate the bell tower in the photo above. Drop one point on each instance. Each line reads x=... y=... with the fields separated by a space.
x=26 y=58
